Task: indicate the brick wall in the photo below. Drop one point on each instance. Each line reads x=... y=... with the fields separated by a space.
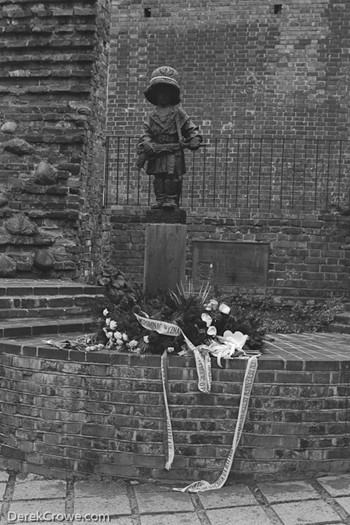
x=245 y=69
x=309 y=256
x=53 y=71
x=70 y=412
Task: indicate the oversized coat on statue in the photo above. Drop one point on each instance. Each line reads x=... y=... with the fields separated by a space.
x=160 y=130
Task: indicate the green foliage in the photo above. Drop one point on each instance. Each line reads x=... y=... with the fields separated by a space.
x=250 y=314
x=288 y=318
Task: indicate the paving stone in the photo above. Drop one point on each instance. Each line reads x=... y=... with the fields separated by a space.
x=149 y=487
x=97 y=488
x=336 y=485
x=315 y=511
x=288 y=491
x=3 y=477
x=239 y=516
x=179 y=518
x=345 y=503
x=157 y=502
x=45 y=489
x=235 y=495
x=37 y=506
x=124 y=520
x=114 y=506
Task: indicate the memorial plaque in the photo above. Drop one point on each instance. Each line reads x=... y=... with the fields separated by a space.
x=229 y=263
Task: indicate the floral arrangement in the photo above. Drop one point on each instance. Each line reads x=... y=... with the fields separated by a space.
x=203 y=322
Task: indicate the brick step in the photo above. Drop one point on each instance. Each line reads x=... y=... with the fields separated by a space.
x=37 y=327
x=339 y=328
x=343 y=318
x=44 y=287
x=43 y=313
x=49 y=306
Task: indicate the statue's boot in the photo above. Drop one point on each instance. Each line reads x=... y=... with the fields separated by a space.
x=159 y=191
x=173 y=193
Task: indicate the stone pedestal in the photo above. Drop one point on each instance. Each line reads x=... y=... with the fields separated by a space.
x=177 y=216
x=165 y=257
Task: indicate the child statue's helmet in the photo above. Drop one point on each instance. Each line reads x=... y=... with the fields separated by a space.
x=164 y=75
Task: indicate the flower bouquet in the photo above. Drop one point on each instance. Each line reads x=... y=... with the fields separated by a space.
x=197 y=321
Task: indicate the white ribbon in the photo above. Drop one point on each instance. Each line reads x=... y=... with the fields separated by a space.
x=201 y=486
x=169 y=433
x=203 y=365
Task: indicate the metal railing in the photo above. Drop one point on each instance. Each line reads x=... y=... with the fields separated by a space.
x=265 y=173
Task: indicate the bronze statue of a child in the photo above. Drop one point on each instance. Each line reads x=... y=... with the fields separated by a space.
x=167 y=131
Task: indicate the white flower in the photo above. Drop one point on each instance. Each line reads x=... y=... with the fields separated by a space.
x=212 y=331
x=118 y=336
x=120 y=342
x=207 y=319
x=109 y=334
x=125 y=337
x=146 y=339
x=132 y=344
x=108 y=321
x=105 y=312
x=224 y=309
x=113 y=325
x=170 y=349
x=230 y=346
x=212 y=305
x=237 y=339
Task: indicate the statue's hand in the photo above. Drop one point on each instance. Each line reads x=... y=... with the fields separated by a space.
x=194 y=143
x=148 y=149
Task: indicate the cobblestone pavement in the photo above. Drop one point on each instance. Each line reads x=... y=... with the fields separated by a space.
x=33 y=499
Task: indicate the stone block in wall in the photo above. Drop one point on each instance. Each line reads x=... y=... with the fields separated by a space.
x=21 y=225
x=45 y=174
x=18 y=147
x=8 y=266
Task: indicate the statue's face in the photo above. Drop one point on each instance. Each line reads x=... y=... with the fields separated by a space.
x=163 y=94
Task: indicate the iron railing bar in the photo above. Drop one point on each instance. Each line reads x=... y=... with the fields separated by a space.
x=340 y=167
x=304 y=173
x=118 y=160
x=293 y=174
x=237 y=169
x=282 y=173
x=259 y=174
x=215 y=157
x=271 y=162
x=106 y=173
x=248 y=169
x=226 y=171
x=328 y=174
x=316 y=172
x=204 y=173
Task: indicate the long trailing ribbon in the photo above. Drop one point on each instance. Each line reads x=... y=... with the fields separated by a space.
x=169 y=433
x=203 y=365
x=201 y=354
x=201 y=486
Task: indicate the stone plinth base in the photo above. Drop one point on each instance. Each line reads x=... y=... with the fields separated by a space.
x=167 y=216
x=165 y=257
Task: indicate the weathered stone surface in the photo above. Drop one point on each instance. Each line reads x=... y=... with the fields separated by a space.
x=43 y=260
x=18 y=147
x=23 y=240
x=21 y=225
x=7 y=266
x=45 y=173
x=9 y=127
x=3 y=199
x=177 y=216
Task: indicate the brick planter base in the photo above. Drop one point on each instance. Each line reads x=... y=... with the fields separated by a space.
x=69 y=413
